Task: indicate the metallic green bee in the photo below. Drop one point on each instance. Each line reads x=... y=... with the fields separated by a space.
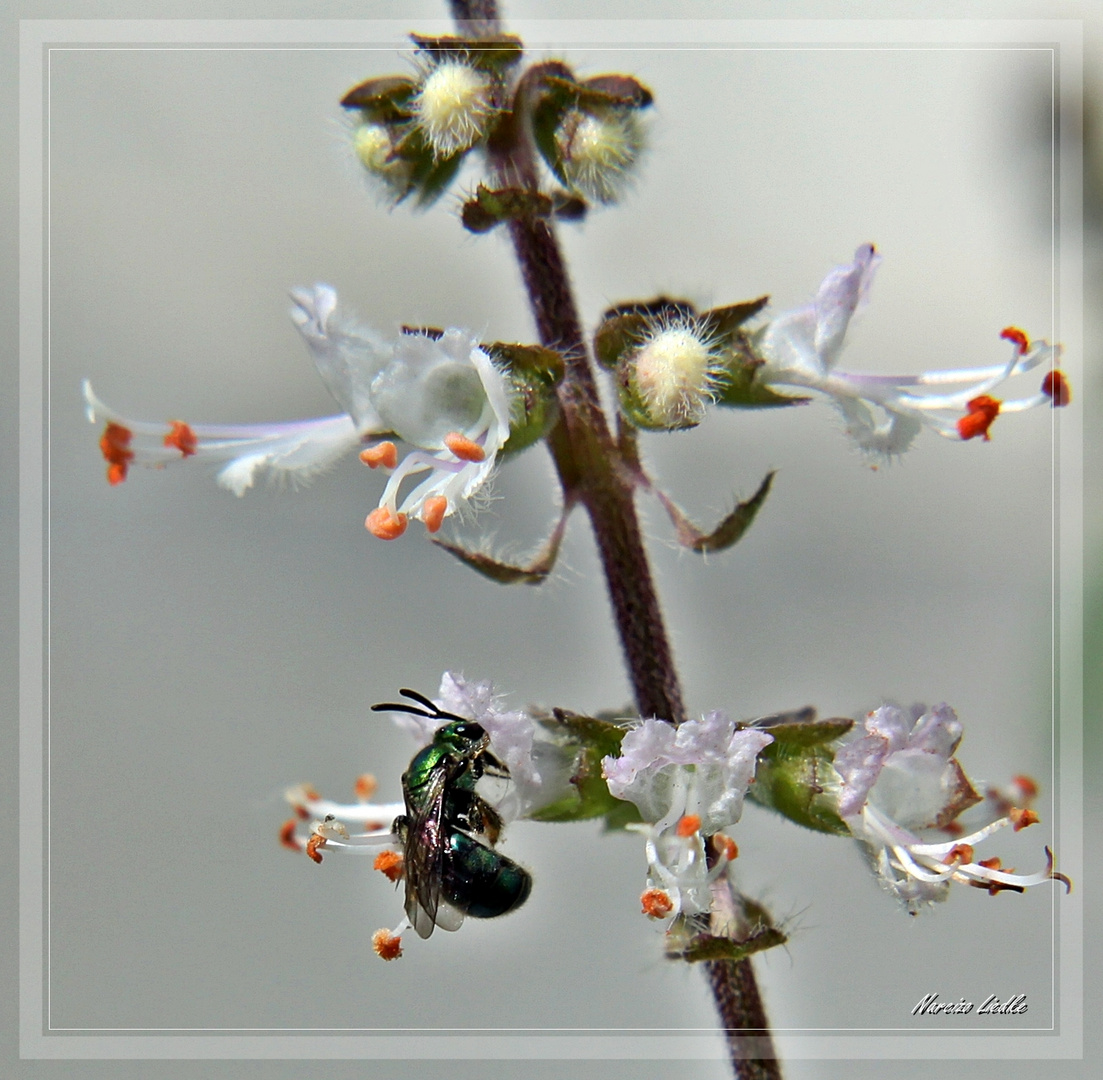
x=449 y=873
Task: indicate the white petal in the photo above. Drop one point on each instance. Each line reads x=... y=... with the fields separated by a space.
x=348 y=356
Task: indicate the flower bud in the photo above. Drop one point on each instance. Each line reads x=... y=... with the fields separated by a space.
x=597 y=150
x=375 y=146
x=454 y=107
x=667 y=382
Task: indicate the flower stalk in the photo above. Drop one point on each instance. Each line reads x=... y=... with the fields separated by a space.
x=594 y=473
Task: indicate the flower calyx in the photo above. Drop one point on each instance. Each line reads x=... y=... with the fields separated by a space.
x=588 y=131
x=491 y=207
x=586 y=741
x=795 y=775
x=735 y=928
x=671 y=362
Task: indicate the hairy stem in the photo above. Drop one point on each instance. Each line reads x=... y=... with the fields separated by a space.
x=589 y=470
x=740 y=1007
x=476 y=18
x=595 y=472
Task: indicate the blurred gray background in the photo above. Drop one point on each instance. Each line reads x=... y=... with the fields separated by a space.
x=206 y=652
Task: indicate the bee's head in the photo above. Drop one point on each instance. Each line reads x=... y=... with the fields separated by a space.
x=460 y=736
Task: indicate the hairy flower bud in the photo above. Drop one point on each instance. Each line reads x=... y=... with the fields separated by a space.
x=667 y=382
x=597 y=150
x=454 y=107
x=374 y=145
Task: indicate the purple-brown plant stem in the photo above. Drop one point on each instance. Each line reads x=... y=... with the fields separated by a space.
x=594 y=472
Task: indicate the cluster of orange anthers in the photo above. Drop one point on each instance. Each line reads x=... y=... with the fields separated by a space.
x=963 y=854
x=657 y=903
x=982 y=410
x=387 y=524
x=115 y=446
x=1024 y=789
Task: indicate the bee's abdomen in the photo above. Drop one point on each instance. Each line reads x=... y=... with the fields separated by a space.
x=481 y=882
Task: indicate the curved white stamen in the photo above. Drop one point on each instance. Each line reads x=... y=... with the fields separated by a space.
x=353 y=812
x=366 y=844
x=906 y=863
x=973 y=838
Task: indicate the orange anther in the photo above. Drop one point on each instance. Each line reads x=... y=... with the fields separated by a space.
x=1056 y=387
x=725 y=846
x=463 y=447
x=183 y=438
x=386 y=525
x=298 y=796
x=432 y=513
x=383 y=453
x=389 y=864
x=287 y=835
x=959 y=853
x=386 y=945
x=1020 y=819
x=317 y=840
x=982 y=411
x=365 y=786
x=688 y=825
x=994 y=887
x=1013 y=333
x=1026 y=786
x=656 y=904
x=115 y=447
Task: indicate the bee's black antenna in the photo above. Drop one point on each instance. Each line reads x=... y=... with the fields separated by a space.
x=427 y=709
x=421 y=699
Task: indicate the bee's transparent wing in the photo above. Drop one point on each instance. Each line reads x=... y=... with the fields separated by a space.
x=425 y=851
x=446 y=917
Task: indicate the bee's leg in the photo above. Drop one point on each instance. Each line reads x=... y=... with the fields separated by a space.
x=491 y=821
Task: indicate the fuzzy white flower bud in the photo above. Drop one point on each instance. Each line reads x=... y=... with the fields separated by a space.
x=673 y=373
x=598 y=151
x=454 y=107
x=373 y=144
